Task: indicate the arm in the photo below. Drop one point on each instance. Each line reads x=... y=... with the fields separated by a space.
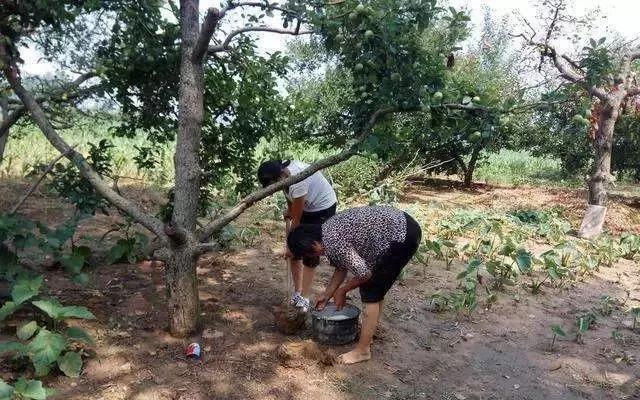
x=336 y=280
x=295 y=210
x=361 y=274
x=340 y=295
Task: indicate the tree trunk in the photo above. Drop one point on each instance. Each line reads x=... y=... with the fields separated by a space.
x=4 y=105
x=183 y=303
x=181 y=279
x=601 y=177
x=593 y=220
x=471 y=167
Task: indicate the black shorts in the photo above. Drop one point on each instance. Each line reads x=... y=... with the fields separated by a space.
x=315 y=218
x=391 y=263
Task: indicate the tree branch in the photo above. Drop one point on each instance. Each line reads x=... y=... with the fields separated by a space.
x=633 y=91
x=19 y=109
x=262 y=5
x=37 y=114
x=208 y=27
x=225 y=44
x=258 y=195
x=565 y=70
x=37 y=183
x=11 y=119
x=465 y=107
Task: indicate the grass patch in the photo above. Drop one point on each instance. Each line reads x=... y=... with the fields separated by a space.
x=27 y=147
x=516 y=168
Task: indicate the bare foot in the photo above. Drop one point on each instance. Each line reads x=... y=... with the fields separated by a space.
x=354 y=356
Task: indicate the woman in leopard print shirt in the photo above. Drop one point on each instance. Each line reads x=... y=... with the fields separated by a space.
x=372 y=243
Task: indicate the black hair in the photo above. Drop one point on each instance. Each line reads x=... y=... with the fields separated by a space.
x=270 y=171
x=302 y=238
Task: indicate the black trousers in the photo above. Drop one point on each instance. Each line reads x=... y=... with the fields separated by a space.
x=391 y=263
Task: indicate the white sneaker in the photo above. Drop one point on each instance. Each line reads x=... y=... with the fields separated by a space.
x=303 y=304
x=295 y=297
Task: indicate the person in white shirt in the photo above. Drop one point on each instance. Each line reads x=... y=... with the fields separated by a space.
x=310 y=201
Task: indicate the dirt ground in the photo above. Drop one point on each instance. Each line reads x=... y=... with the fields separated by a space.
x=497 y=353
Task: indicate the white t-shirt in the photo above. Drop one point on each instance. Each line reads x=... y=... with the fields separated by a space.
x=320 y=194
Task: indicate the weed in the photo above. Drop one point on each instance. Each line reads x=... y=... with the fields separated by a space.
x=131 y=248
x=46 y=346
x=635 y=312
x=557 y=331
x=584 y=322
x=629 y=246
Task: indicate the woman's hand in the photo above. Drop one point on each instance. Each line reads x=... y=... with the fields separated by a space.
x=322 y=300
x=287 y=253
x=340 y=298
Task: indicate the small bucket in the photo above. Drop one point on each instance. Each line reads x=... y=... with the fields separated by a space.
x=335 y=327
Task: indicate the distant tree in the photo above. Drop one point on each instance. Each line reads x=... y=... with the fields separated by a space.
x=605 y=74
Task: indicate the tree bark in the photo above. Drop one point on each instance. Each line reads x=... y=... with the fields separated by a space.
x=601 y=176
x=181 y=277
x=183 y=303
x=471 y=166
x=4 y=105
x=600 y=180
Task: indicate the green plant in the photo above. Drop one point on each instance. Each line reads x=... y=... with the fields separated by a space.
x=629 y=246
x=24 y=389
x=557 y=331
x=23 y=237
x=605 y=250
x=237 y=236
x=67 y=181
x=131 y=248
x=470 y=285
x=635 y=311
x=606 y=305
x=355 y=176
x=584 y=322
x=53 y=344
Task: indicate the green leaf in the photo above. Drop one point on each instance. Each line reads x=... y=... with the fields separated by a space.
x=26 y=288
x=116 y=253
x=57 y=311
x=6 y=390
x=463 y=274
x=73 y=263
x=7 y=309
x=27 y=330
x=557 y=329
x=78 y=334
x=523 y=260
x=77 y=312
x=50 y=306
x=12 y=347
x=70 y=364
x=45 y=349
x=81 y=279
x=30 y=389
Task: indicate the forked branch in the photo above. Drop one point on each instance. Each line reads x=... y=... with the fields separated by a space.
x=225 y=46
x=208 y=27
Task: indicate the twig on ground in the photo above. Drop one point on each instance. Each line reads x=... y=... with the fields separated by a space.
x=35 y=185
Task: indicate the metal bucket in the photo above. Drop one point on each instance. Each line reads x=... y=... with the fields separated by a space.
x=334 y=327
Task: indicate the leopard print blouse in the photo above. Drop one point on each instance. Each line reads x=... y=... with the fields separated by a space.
x=355 y=238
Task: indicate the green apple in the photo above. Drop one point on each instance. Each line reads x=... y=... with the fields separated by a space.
x=475 y=137
x=368 y=34
x=437 y=96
